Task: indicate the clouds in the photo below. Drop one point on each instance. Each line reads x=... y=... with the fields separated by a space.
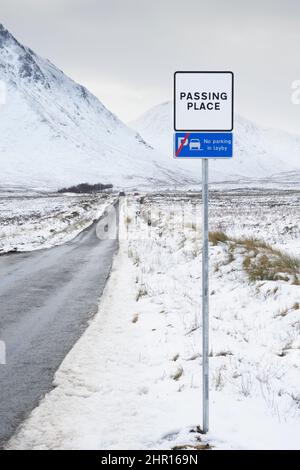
x=127 y=50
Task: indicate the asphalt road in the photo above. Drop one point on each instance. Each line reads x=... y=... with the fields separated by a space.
x=46 y=300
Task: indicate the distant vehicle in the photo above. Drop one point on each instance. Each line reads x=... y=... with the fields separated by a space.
x=136 y=194
x=121 y=193
x=195 y=144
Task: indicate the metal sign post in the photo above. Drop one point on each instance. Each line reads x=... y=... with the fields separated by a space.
x=205 y=298
x=203 y=124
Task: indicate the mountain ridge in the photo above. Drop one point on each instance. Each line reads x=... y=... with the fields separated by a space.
x=56 y=133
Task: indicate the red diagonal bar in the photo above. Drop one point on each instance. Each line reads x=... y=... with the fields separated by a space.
x=182 y=143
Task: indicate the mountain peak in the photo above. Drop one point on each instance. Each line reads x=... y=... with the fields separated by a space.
x=18 y=61
x=55 y=133
x=4 y=34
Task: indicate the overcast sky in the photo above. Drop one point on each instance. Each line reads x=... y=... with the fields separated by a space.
x=126 y=51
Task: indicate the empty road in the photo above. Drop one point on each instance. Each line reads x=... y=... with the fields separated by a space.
x=46 y=300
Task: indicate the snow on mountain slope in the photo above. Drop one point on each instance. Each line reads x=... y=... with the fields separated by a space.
x=54 y=132
x=258 y=152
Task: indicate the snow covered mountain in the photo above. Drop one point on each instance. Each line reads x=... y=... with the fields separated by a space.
x=54 y=132
x=258 y=152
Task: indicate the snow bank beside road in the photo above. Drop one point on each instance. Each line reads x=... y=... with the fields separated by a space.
x=113 y=390
x=33 y=222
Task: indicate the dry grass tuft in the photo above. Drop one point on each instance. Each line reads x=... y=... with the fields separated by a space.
x=142 y=292
x=283 y=312
x=217 y=237
x=252 y=244
x=191 y=447
x=271 y=265
x=296 y=281
x=176 y=376
x=262 y=262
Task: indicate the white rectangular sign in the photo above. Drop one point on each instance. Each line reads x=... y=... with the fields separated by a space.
x=203 y=101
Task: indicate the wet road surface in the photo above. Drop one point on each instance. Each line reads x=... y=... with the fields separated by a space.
x=46 y=300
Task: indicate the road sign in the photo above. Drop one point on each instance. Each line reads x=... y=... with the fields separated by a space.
x=203 y=101
x=203 y=145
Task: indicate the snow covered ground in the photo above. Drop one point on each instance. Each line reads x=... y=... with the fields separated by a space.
x=30 y=222
x=133 y=381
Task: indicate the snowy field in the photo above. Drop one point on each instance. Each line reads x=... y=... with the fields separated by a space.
x=30 y=222
x=133 y=381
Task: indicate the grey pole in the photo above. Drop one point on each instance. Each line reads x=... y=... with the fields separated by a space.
x=205 y=294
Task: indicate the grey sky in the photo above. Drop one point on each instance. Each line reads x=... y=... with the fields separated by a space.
x=125 y=51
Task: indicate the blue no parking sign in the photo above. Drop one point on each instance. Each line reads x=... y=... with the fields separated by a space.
x=203 y=145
